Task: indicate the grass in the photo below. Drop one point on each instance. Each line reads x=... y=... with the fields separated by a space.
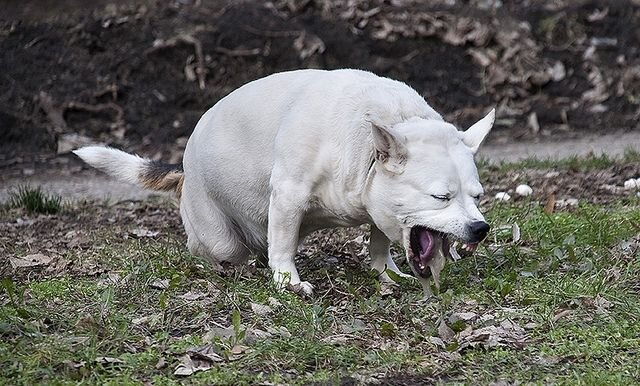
x=34 y=200
x=570 y=280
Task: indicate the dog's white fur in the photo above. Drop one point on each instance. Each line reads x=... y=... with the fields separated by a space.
x=299 y=151
x=124 y=166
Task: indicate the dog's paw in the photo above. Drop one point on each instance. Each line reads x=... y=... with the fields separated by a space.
x=303 y=288
x=387 y=287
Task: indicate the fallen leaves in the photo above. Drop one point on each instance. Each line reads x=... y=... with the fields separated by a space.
x=308 y=44
x=506 y=333
x=197 y=359
x=261 y=309
x=143 y=232
x=33 y=260
x=192 y=296
x=474 y=330
x=160 y=284
x=108 y=360
x=600 y=87
x=204 y=357
x=445 y=332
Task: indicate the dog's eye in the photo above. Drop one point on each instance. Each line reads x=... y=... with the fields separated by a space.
x=441 y=197
x=477 y=197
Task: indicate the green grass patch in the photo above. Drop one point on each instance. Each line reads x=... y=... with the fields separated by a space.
x=570 y=280
x=34 y=200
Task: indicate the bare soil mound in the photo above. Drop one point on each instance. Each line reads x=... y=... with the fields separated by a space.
x=140 y=74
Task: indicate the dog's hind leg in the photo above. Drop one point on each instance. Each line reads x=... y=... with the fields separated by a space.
x=381 y=259
x=210 y=232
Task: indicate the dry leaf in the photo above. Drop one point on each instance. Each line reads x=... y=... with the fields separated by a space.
x=238 y=349
x=515 y=232
x=557 y=72
x=308 y=44
x=533 y=122
x=142 y=232
x=599 y=92
x=506 y=334
x=33 y=260
x=386 y=288
x=73 y=364
x=336 y=339
x=160 y=284
x=445 y=333
x=162 y=363
x=273 y=302
x=480 y=57
x=218 y=332
x=550 y=205
x=150 y=319
x=260 y=309
x=197 y=359
x=464 y=316
x=602 y=305
x=567 y=202
x=598 y=14
x=280 y=331
x=561 y=314
x=108 y=360
x=192 y=295
x=436 y=341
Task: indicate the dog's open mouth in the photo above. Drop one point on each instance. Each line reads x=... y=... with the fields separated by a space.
x=427 y=244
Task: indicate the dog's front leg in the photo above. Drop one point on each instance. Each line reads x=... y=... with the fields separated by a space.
x=381 y=259
x=286 y=208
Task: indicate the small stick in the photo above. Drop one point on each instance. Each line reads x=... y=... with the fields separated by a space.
x=201 y=70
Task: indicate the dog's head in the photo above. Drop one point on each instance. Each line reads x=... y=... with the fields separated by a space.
x=425 y=188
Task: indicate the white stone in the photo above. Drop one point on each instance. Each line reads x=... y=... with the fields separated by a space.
x=524 y=190
x=631 y=183
x=503 y=196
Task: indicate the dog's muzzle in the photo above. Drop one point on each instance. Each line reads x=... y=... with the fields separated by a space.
x=424 y=245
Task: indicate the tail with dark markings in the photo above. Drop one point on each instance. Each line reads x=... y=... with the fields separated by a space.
x=134 y=169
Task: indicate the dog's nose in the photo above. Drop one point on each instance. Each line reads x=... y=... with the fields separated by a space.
x=478 y=230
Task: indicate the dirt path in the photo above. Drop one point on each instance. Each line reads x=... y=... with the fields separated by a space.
x=67 y=177
x=613 y=145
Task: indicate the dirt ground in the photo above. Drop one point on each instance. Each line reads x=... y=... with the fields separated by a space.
x=567 y=186
x=138 y=74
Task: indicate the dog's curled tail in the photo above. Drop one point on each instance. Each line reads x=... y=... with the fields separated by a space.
x=134 y=169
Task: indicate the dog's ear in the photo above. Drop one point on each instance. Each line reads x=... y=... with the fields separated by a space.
x=474 y=135
x=390 y=149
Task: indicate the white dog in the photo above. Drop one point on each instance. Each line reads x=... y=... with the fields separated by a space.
x=298 y=151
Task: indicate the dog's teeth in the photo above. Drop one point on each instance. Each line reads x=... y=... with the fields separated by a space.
x=421 y=266
x=454 y=254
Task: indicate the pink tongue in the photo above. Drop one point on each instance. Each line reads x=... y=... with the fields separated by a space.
x=426 y=244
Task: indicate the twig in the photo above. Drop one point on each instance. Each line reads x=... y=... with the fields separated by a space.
x=238 y=52
x=119 y=121
x=201 y=70
x=112 y=88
